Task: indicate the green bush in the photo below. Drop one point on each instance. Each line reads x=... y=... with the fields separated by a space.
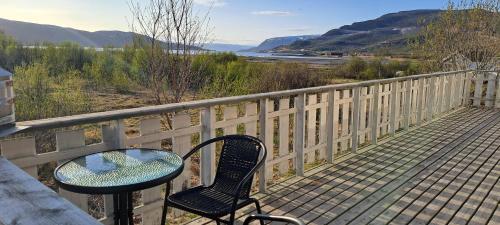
x=40 y=96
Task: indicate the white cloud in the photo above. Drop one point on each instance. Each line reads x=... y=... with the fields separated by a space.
x=213 y=3
x=272 y=13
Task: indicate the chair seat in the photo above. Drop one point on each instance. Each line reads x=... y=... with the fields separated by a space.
x=205 y=201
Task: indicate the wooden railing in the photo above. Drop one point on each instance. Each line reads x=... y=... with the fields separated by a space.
x=301 y=128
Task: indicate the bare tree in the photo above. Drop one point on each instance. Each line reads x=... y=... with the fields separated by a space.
x=171 y=33
x=467 y=34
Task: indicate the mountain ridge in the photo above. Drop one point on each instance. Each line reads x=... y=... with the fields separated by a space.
x=387 y=31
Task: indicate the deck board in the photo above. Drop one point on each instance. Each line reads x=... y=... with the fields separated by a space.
x=446 y=171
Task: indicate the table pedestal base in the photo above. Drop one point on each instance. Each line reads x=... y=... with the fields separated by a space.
x=123 y=208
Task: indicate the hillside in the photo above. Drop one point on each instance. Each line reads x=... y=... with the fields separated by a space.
x=32 y=33
x=388 y=31
x=272 y=43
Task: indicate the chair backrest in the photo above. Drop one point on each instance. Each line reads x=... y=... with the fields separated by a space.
x=238 y=158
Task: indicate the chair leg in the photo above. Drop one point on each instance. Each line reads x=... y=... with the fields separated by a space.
x=231 y=218
x=165 y=206
x=259 y=211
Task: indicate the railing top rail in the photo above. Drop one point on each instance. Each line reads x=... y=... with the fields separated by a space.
x=159 y=109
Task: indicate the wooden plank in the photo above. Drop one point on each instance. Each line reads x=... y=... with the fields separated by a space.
x=263 y=135
x=24 y=200
x=431 y=98
x=394 y=106
x=207 y=155
x=20 y=148
x=251 y=126
x=420 y=101
x=478 y=89
x=276 y=197
x=407 y=104
x=467 y=89
x=311 y=128
x=299 y=133
x=332 y=211
x=438 y=181
x=336 y=123
x=490 y=90
x=344 y=125
x=300 y=194
x=375 y=113
x=472 y=194
x=151 y=195
x=230 y=114
x=322 y=125
x=67 y=140
x=330 y=120
x=497 y=98
x=355 y=119
x=459 y=144
x=284 y=134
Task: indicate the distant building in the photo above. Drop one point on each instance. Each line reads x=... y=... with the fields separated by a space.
x=335 y=54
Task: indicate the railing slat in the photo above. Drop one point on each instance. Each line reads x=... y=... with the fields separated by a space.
x=18 y=149
x=478 y=89
x=490 y=90
x=284 y=129
x=394 y=105
x=375 y=113
x=497 y=102
x=330 y=120
x=151 y=195
x=355 y=119
x=263 y=135
x=407 y=104
x=66 y=140
x=207 y=161
x=300 y=117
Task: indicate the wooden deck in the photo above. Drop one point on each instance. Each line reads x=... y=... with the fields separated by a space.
x=446 y=171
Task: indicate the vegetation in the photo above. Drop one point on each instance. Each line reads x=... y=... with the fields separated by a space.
x=467 y=34
x=377 y=68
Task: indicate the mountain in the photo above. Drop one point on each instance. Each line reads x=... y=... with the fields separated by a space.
x=272 y=43
x=388 y=31
x=226 y=47
x=32 y=33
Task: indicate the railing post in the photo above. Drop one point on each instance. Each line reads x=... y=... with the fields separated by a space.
x=490 y=90
x=355 y=118
x=300 y=122
x=407 y=106
x=375 y=119
x=263 y=135
x=394 y=101
x=207 y=161
x=329 y=126
x=420 y=101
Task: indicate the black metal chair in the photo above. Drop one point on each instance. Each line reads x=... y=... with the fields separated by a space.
x=230 y=191
x=284 y=219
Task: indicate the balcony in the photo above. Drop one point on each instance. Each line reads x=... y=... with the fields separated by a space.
x=425 y=149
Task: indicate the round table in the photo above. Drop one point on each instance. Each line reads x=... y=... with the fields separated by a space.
x=119 y=172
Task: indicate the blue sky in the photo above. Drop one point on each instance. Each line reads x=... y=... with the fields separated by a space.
x=232 y=21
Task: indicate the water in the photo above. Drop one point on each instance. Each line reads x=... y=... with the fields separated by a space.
x=306 y=59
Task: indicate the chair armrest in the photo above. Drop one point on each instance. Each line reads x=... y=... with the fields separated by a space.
x=200 y=146
x=272 y=218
